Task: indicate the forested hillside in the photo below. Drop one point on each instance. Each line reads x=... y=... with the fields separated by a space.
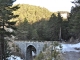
x=40 y=24
x=37 y=23
x=32 y=13
x=34 y=23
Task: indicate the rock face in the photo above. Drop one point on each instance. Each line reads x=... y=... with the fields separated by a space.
x=71 y=55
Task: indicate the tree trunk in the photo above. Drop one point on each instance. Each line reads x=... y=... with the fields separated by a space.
x=0 y=51
x=60 y=34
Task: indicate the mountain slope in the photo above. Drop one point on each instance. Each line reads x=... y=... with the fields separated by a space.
x=32 y=13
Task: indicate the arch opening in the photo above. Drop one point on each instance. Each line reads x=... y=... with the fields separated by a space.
x=31 y=52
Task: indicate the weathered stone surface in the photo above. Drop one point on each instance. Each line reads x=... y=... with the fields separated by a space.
x=23 y=45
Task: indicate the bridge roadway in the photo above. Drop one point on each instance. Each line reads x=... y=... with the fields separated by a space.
x=28 y=46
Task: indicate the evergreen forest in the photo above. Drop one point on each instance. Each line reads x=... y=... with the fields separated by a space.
x=35 y=23
x=39 y=24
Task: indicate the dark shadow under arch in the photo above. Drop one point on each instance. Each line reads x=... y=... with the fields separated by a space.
x=29 y=55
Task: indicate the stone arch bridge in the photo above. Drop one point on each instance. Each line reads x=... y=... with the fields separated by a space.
x=28 y=48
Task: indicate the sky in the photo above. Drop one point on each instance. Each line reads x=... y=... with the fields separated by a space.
x=51 y=5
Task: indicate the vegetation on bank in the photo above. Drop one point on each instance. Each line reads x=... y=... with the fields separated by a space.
x=51 y=52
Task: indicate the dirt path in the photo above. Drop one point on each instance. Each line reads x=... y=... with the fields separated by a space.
x=72 y=55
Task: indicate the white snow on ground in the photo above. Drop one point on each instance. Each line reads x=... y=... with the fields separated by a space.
x=12 y=57
x=70 y=47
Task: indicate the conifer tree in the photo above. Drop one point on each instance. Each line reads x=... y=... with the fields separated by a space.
x=74 y=20
x=54 y=26
x=6 y=14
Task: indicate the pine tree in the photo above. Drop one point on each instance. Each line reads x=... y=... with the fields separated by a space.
x=74 y=20
x=6 y=14
x=55 y=24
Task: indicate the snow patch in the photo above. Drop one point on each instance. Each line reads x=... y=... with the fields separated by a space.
x=12 y=57
x=70 y=47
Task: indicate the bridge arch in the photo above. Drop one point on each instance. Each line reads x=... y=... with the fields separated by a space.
x=30 y=52
x=25 y=45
